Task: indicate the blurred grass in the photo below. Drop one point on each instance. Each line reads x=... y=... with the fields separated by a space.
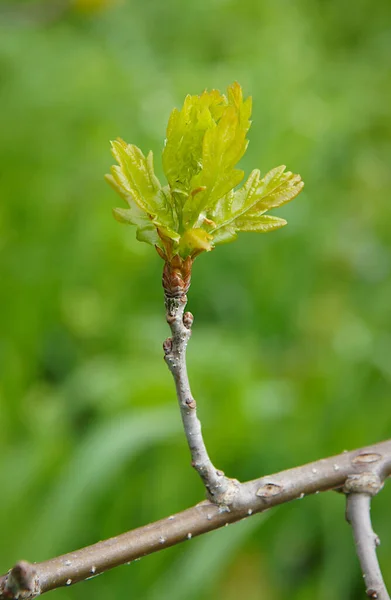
x=290 y=352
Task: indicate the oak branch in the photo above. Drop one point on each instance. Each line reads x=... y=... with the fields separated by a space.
x=359 y=474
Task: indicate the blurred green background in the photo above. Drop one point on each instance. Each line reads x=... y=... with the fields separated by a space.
x=290 y=354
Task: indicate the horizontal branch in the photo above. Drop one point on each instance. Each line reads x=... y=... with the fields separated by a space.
x=28 y=581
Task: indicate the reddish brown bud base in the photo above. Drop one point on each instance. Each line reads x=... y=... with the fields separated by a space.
x=177 y=276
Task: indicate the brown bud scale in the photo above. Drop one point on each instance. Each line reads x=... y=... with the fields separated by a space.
x=176 y=276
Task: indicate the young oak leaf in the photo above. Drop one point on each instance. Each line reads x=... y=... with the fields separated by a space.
x=201 y=206
x=146 y=230
x=243 y=210
x=182 y=154
x=261 y=224
x=223 y=146
x=149 y=204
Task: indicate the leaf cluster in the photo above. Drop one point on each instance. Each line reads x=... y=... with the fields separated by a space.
x=201 y=205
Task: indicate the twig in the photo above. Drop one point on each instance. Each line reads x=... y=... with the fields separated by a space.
x=220 y=489
x=359 y=490
x=255 y=497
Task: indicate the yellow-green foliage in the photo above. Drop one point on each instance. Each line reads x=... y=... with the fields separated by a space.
x=200 y=207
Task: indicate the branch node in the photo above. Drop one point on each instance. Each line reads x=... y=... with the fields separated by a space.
x=363 y=483
x=21 y=582
x=226 y=493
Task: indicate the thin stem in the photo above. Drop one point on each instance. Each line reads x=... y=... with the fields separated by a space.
x=25 y=581
x=220 y=489
x=358 y=506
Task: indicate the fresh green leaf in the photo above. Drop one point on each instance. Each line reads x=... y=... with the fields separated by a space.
x=148 y=234
x=263 y=223
x=149 y=204
x=223 y=146
x=244 y=209
x=133 y=176
x=182 y=154
x=201 y=205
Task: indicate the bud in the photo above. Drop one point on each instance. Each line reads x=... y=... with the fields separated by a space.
x=177 y=276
